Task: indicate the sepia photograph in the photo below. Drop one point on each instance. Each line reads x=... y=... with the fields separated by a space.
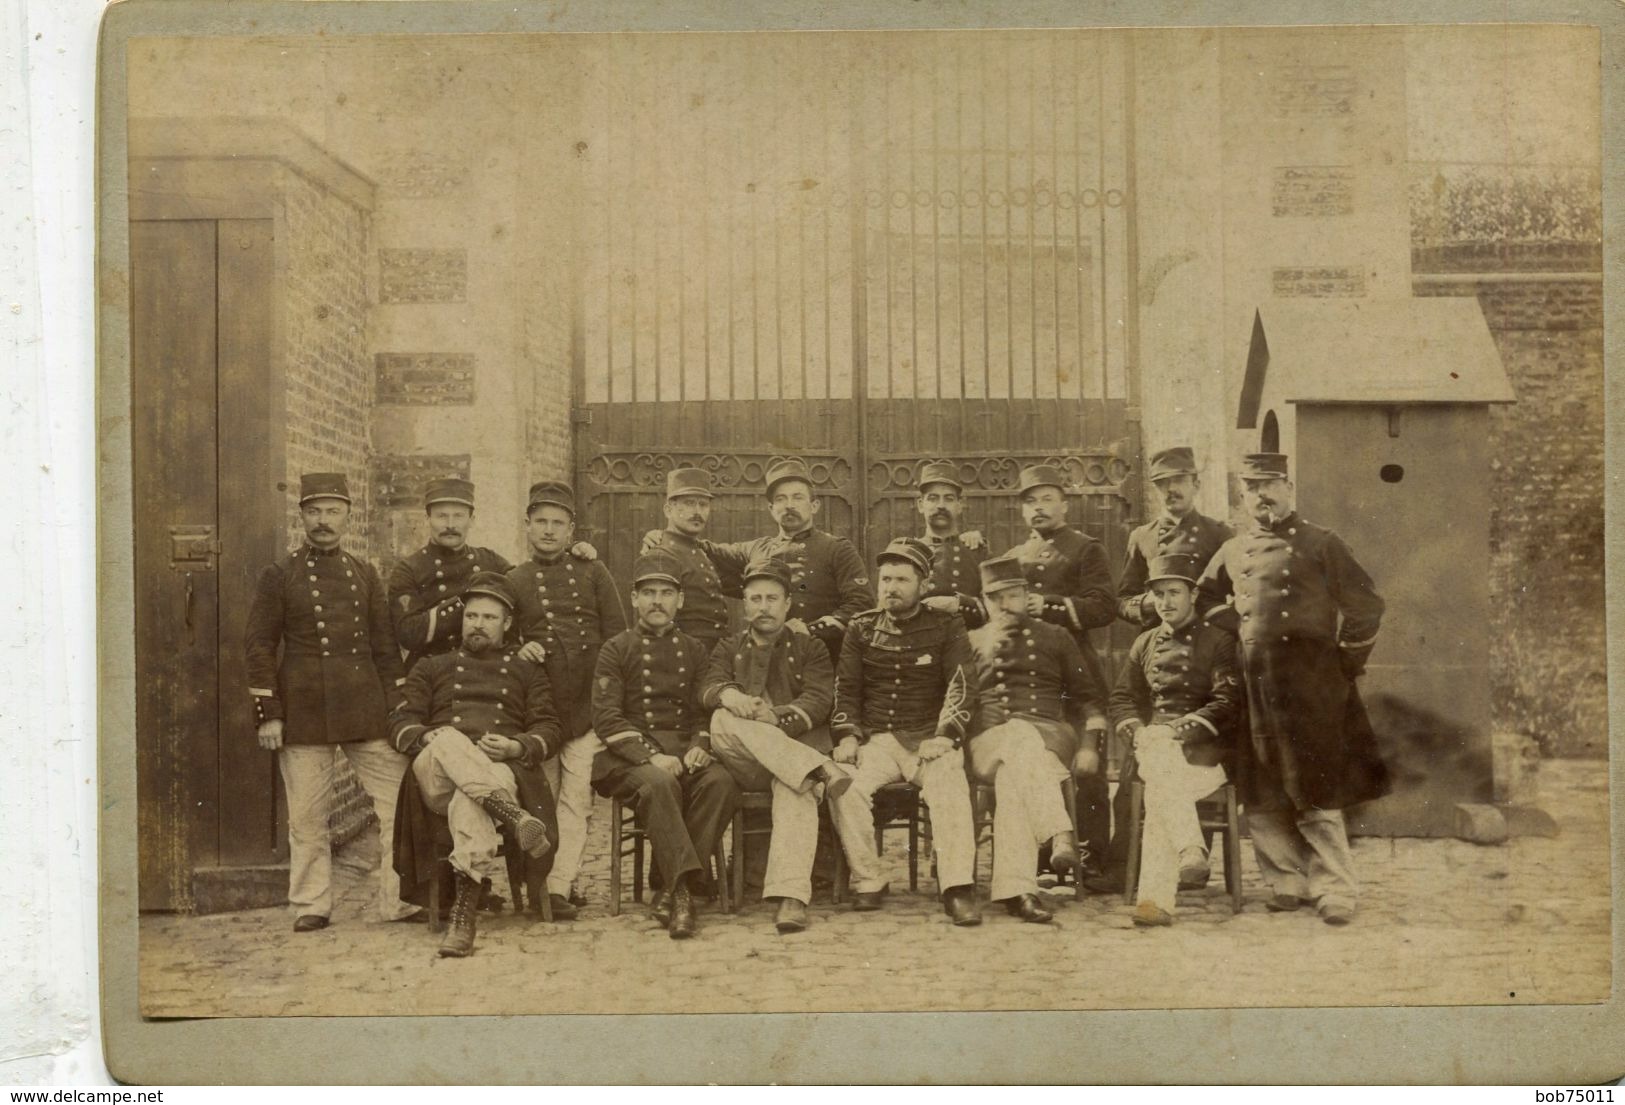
x=866 y=521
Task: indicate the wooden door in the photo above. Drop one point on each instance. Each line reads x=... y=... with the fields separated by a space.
x=206 y=499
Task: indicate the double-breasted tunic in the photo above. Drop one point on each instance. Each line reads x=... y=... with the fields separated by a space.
x=494 y=691
x=426 y=596
x=571 y=606
x=1031 y=670
x=339 y=671
x=827 y=576
x=646 y=697
x=1195 y=535
x=910 y=676
x=1307 y=616
x=1187 y=679
x=792 y=672
x=956 y=571
x=1069 y=569
x=704 y=615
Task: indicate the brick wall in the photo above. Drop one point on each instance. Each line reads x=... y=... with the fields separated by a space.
x=1546 y=526
x=328 y=374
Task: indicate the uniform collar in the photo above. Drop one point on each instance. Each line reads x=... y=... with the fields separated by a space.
x=312 y=550
x=1034 y=535
x=1286 y=523
x=799 y=535
x=1167 y=521
x=1183 y=633
x=547 y=560
x=440 y=552
x=889 y=621
x=750 y=637
x=650 y=631
x=932 y=539
x=501 y=650
x=681 y=538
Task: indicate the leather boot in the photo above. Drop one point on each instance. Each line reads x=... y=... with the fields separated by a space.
x=660 y=907
x=959 y=903
x=1028 y=908
x=1063 y=852
x=792 y=916
x=682 y=912
x=835 y=781
x=528 y=831
x=459 y=939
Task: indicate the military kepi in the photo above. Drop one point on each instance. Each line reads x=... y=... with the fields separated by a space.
x=1179 y=460
x=1172 y=566
x=552 y=493
x=490 y=585
x=657 y=565
x=768 y=567
x=323 y=485
x=1263 y=466
x=791 y=468
x=688 y=481
x=1041 y=475
x=450 y=490
x=910 y=550
x=1000 y=573
x=940 y=471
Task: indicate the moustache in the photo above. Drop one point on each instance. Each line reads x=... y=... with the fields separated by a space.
x=321 y=529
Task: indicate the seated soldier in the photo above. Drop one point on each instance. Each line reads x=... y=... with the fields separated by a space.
x=479 y=722
x=646 y=708
x=771 y=690
x=1177 y=698
x=903 y=704
x=1033 y=689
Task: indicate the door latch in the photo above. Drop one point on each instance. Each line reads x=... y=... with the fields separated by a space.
x=193 y=548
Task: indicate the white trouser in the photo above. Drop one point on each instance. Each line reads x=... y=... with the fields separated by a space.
x=1028 y=806
x=570 y=775
x=1305 y=853
x=454 y=775
x=762 y=757
x=1172 y=789
x=307 y=776
x=946 y=791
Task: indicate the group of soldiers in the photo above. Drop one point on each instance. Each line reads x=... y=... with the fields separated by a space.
x=514 y=692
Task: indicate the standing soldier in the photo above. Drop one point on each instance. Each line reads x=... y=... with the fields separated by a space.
x=479 y=723
x=904 y=696
x=771 y=691
x=426 y=588
x=827 y=579
x=1180 y=530
x=704 y=614
x=333 y=690
x=646 y=708
x=1307 y=616
x=1177 y=699
x=1069 y=583
x=955 y=585
x=570 y=605
x=1034 y=692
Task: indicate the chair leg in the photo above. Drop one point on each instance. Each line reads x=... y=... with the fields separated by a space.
x=914 y=848
x=1131 y=869
x=1069 y=795
x=435 y=924
x=512 y=858
x=615 y=857
x=1232 y=847
x=638 y=873
x=720 y=859
x=738 y=872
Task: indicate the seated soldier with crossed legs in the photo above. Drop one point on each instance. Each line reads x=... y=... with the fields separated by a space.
x=771 y=690
x=1177 y=698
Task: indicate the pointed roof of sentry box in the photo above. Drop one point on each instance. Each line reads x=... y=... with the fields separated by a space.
x=1417 y=350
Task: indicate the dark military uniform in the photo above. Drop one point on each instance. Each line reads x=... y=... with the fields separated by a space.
x=1034 y=671
x=704 y=615
x=426 y=596
x=1186 y=679
x=792 y=672
x=340 y=671
x=575 y=603
x=1194 y=535
x=954 y=572
x=646 y=700
x=827 y=577
x=1307 y=614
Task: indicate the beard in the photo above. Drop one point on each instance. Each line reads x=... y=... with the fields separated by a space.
x=478 y=641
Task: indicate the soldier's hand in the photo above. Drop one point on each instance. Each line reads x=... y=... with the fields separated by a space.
x=270 y=734
x=652 y=540
x=826 y=623
x=671 y=765
x=846 y=752
x=738 y=703
x=696 y=758
x=798 y=626
x=948 y=604
x=500 y=748
x=971 y=539
x=936 y=746
x=583 y=550
x=1035 y=604
x=764 y=713
x=532 y=651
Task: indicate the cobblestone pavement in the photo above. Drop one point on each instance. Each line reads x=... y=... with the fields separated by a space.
x=1440 y=921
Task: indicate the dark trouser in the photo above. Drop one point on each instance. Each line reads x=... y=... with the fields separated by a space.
x=1094 y=817
x=684 y=818
x=1116 y=858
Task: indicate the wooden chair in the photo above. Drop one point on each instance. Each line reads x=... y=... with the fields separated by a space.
x=983 y=803
x=1218 y=813
x=897 y=806
x=626 y=839
x=512 y=857
x=741 y=834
